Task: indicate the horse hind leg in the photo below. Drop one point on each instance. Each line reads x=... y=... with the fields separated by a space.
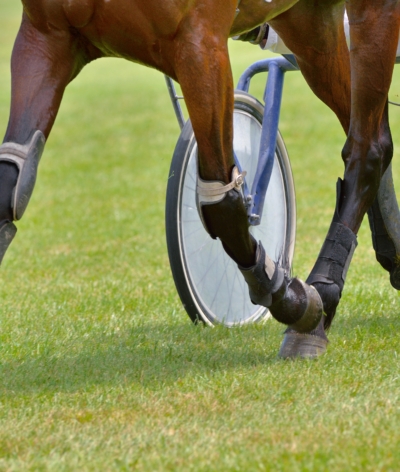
x=42 y=64
x=367 y=151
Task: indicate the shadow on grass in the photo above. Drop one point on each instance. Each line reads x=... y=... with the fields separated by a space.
x=149 y=355
x=153 y=354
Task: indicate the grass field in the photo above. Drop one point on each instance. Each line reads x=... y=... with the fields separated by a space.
x=100 y=367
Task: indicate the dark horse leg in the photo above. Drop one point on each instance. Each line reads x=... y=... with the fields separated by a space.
x=43 y=62
x=368 y=149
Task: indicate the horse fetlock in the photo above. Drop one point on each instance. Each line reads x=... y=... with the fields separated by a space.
x=7 y=233
x=264 y=279
x=290 y=301
x=26 y=158
x=330 y=295
x=297 y=305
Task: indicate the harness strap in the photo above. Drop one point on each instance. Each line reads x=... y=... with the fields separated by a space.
x=210 y=192
x=210 y=189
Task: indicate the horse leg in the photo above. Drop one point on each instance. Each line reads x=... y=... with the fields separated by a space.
x=366 y=154
x=203 y=70
x=383 y=215
x=368 y=151
x=42 y=64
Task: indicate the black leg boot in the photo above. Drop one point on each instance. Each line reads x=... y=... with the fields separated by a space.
x=328 y=277
x=290 y=301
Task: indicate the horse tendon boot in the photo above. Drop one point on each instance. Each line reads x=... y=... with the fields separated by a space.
x=290 y=301
x=384 y=222
x=26 y=158
x=328 y=277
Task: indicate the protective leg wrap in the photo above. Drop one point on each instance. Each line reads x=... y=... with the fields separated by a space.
x=329 y=272
x=7 y=233
x=290 y=301
x=26 y=157
x=210 y=192
x=384 y=222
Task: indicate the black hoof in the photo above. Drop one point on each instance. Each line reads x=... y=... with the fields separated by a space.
x=302 y=345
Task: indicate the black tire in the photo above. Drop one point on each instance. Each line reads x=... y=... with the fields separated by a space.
x=209 y=284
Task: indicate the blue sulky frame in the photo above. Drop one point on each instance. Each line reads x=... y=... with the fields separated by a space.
x=276 y=68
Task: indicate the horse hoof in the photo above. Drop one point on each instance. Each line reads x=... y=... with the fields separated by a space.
x=303 y=345
x=395 y=277
x=313 y=312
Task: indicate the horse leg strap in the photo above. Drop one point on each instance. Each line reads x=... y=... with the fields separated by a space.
x=384 y=222
x=290 y=301
x=7 y=233
x=210 y=192
x=26 y=157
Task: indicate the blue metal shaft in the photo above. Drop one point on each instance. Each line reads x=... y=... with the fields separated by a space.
x=276 y=68
x=273 y=99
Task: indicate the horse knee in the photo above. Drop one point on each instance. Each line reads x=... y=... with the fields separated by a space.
x=376 y=155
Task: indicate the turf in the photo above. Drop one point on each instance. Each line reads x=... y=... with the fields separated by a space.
x=100 y=367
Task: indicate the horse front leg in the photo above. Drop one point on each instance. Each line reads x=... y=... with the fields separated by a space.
x=203 y=69
x=43 y=62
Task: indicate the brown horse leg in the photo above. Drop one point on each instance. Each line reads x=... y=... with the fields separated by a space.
x=333 y=86
x=315 y=34
x=42 y=65
x=368 y=149
x=202 y=67
x=205 y=76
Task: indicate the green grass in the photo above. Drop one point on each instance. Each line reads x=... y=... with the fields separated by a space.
x=100 y=368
